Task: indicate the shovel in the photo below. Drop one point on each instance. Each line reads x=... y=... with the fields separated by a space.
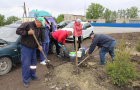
x=86 y=58
x=49 y=66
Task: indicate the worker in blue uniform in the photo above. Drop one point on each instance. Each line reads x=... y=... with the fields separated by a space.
x=45 y=42
x=28 y=48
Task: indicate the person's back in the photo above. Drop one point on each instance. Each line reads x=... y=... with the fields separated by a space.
x=104 y=41
x=60 y=35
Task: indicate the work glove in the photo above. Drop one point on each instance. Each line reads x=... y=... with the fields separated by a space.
x=64 y=49
x=59 y=45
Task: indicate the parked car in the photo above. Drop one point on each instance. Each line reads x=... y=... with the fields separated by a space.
x=62 y=24
x=87 y=28
x=10 y=47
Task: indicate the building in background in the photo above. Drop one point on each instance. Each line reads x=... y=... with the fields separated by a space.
x=127 y=20
x=71 y=17
x=35 y=13
x=94 y=20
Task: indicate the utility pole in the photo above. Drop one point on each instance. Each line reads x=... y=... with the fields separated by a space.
x=24 y=13
x=85 y=10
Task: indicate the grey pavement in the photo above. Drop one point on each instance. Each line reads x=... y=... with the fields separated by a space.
x=107 y=30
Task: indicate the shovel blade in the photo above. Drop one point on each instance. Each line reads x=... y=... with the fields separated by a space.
x=50 y=66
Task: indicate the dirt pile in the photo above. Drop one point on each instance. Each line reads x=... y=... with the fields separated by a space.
x=91 y=77
x=63 y=77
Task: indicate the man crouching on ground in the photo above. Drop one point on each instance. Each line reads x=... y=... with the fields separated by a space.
x=28 y=48
x=59 y=36
x=105 y=43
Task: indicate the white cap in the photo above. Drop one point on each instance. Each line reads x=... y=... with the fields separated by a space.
x=78 y=20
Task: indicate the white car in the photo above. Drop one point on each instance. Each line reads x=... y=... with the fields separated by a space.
x=87 y=28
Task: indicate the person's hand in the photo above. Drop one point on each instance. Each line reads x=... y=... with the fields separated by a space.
x=63 y=45
x=64 y=49
x=59 y=45
x=40 y=48
x=30 y=32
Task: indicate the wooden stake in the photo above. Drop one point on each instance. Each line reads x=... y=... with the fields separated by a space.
x=76 y=50
x=77 y=71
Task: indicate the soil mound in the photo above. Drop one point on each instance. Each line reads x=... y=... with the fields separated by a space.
x=89 y=78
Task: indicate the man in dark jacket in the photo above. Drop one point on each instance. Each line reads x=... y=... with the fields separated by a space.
x=28 y=48
x=105 y=43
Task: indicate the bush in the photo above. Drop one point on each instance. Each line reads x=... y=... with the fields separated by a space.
x=138 y=47
x=122 y=69
x=124 y=21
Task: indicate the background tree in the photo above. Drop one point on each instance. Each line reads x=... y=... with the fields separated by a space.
x=128 y=13
x=12 y=19
x=123 y=13
x=94 y=11
x=2 y=20
x=60 y=18
x=120 y=13
x=134 y=12
x=55 y=19
x=114 y=15
x=107 y=15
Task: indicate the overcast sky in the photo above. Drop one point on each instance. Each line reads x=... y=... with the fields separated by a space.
x=56 y=7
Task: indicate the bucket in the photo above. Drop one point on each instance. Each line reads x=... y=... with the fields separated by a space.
x=85 y=48
x=72 y=57
x=82 y=51
x=79 y=53
x=66 y=53
x=72 y=52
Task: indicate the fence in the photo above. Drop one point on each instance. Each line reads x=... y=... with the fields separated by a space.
x=136 y=25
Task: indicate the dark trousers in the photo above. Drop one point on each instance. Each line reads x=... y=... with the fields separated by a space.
x=45 y=47
x=79 y=41
x=56 y=44
x=111 y=52
x=28 y=63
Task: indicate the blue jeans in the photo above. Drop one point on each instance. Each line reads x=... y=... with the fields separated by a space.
x=111 y=52
x=45 y=47
x=29 y=62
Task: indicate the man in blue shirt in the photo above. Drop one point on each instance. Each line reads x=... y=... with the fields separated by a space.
x=105 y=43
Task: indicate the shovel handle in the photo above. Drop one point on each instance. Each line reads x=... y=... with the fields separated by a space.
x=86 y=58
x=83 y=60
x=39 y=46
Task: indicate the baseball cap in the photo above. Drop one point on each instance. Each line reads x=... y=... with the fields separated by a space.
x=41 y=19
x=91 y=34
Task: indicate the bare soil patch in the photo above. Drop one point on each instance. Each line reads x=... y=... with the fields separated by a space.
x=91 y=77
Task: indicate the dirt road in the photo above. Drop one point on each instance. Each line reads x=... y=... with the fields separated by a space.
x=13 y=80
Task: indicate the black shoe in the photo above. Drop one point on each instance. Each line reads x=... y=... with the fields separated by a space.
x=26 y=85
x=36 y=79
x=99 y=63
